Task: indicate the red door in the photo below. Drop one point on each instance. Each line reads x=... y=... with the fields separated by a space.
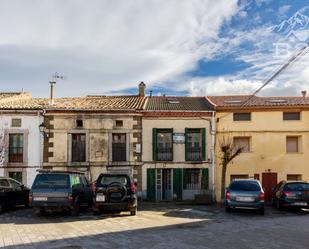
x=269 y=181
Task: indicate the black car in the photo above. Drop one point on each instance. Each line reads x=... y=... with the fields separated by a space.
x=116 y=192
x=12 y=193
x=60 y=190
x=291 y=194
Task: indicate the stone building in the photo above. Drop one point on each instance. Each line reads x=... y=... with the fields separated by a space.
x=95 y=134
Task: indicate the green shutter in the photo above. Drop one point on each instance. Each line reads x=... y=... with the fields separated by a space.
x=172 y=144
x=154 y=144
x=177 y=183
x=184 y=178
x=186 y=144
x=151 y=184
x=203 y=144
x=205 y=179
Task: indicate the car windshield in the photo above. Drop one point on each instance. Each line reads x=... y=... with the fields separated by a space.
x=51 y=181
x=297 y=187
x=245 y=186
x=106 y=180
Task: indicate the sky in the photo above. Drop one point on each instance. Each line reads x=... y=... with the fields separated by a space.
x=193 y=47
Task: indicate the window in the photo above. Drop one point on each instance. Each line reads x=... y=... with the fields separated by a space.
x=234 y=177
x=79 y=123
x=4 y=183
x=14 y=184
x=245 y=185
x=78 y=147
x=243 y=143
x=293 y=177
x=106 y=179
x=119 y=123
x=119 y=147
x=291 y=116
x=292 y=144
x=16 y=122
x=242 y=116
x=18 y=176
x=193 y=145
x=164 y=145
x=51 y=180
x=16 y=148
x=192 y=179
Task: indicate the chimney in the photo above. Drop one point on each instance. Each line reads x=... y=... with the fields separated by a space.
x=52 y=83
x=141 y=89
x=304 y=93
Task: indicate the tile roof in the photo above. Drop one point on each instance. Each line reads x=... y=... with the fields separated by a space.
x=175 y=103
x=241 y=101
x=99 y=103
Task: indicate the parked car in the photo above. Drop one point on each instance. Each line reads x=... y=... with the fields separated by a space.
x=291 y=194
x=60 y=190
x=115 y=192
x=12 y=193
x=245 y=194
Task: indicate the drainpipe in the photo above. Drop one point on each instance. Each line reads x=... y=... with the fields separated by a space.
x=213 y=155
x=212 y=132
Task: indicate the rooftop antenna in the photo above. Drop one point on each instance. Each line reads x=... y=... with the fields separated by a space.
x=53 y=81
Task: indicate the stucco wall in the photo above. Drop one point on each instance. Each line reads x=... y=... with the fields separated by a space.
x=33 y=142
x=268 y=132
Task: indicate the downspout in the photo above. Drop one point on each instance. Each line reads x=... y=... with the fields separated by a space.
x=212 y=132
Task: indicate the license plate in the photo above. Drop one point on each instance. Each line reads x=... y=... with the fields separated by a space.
x=100 y=198
x=40 y=198
x=244 y=199
x=300 y=204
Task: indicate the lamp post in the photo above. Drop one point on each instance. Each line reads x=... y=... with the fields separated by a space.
x=42 y=130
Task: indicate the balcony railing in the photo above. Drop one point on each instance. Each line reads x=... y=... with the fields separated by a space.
x=194 y=154
x=164 y=154
x=16 y=154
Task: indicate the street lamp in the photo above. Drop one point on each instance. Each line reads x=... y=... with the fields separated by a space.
x=42 y=130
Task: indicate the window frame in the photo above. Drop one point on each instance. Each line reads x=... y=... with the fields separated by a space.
x=249 y=143
x=85 y=147
x=286 y=113
x=242 y=113
x=21 y=156
x=113 y=157
x=171 y=149
x=298 y=144
x=202 y=147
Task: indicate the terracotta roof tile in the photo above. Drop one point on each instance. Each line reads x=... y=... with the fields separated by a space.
x=100 y=103
x=175 y=103
x=245 y=101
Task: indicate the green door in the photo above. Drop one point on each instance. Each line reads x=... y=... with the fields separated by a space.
x=151 y=184
x=177 y=183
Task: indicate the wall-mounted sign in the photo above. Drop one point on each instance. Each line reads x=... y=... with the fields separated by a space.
x=179 y=138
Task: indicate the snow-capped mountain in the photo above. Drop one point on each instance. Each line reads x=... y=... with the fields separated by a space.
x=296 y=26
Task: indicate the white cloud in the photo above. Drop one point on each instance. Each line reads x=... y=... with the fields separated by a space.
x=105 y=45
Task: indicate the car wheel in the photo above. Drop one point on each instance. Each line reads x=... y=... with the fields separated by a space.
x=42 y=211
x=76 y=208
x=133 y=212
x=278 y=205
x=227 y=209
x=262 y=211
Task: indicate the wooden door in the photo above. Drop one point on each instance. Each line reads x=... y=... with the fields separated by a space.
x=269 y=182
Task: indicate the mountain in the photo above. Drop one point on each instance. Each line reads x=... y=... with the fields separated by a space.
x=298 y=23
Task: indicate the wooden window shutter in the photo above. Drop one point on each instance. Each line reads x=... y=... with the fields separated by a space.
x=154 y=144
x=205 y=179
x=203 y=144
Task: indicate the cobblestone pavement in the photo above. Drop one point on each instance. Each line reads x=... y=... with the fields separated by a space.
x=156 y=226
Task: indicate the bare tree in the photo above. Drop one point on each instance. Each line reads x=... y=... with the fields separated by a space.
x=3 y=149
x=228 y=152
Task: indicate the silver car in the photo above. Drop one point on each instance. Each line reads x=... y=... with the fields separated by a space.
x=245 y=194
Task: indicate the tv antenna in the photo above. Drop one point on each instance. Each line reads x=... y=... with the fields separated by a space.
x=56 y=76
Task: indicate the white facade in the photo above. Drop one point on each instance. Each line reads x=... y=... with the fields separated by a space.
x=32 y=144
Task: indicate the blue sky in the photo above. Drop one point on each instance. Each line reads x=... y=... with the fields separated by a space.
x=197 y=47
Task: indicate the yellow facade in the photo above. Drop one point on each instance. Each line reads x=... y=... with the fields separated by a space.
x=267 y=132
